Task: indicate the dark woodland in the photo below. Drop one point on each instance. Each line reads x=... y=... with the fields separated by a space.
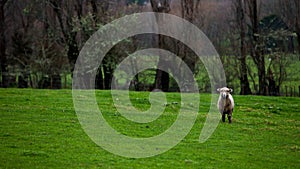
x=258 y=42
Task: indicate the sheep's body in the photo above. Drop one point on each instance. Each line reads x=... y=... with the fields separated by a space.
x=225 y=103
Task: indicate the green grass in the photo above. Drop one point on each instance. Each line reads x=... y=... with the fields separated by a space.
x=40 y=129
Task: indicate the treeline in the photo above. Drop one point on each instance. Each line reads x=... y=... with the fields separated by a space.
x=256 y=39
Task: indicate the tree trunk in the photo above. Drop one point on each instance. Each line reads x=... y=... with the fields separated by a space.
x=297 y=25
x=188 y=12
x=165 y=81
x=108 y=74
x=272 y=89
x=56 y=81
x=244 y=82
x=66 y=29
x=256 y=53
x=158 y=79
x=162 y=78
x=262 y=78
x=298 y=40
x=23 y=78
x=187 y=9
x=3 y=59
x=99 y=79
x=73 y=50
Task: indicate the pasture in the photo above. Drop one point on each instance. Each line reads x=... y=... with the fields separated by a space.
x=40 y=129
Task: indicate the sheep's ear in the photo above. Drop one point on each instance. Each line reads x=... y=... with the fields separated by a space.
x=218 y=89
x=230 y=90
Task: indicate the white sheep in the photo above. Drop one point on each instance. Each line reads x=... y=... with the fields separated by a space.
x=225 y=103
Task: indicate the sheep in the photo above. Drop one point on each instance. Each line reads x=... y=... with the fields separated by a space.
x=225 y=103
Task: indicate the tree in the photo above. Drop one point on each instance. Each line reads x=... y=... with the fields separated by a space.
x=99 y=77
x=65 y=14
x=189 y=11
x=162 y=78
x=3 y=59
x=239 y=6
x=290 y=11
x=275 y=35
x=256 y=46
x=22 y=52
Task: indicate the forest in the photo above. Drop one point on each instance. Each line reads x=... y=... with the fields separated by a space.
x=258 y=42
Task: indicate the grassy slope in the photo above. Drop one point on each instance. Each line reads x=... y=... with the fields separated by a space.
x=39 y=129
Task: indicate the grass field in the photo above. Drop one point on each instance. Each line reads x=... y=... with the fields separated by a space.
x=40 y=129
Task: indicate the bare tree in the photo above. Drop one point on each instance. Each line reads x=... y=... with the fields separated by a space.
x=3 y=59
x=239 y=6
x=65 y=13
x=188 y=12
x=256 y=46
x=95 y=14
x=162 y=78
x=290 y=11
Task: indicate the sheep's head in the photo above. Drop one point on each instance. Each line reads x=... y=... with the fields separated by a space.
x=224 y=92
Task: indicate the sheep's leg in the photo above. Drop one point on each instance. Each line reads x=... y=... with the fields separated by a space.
x=223 y=117
x=230 y=116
